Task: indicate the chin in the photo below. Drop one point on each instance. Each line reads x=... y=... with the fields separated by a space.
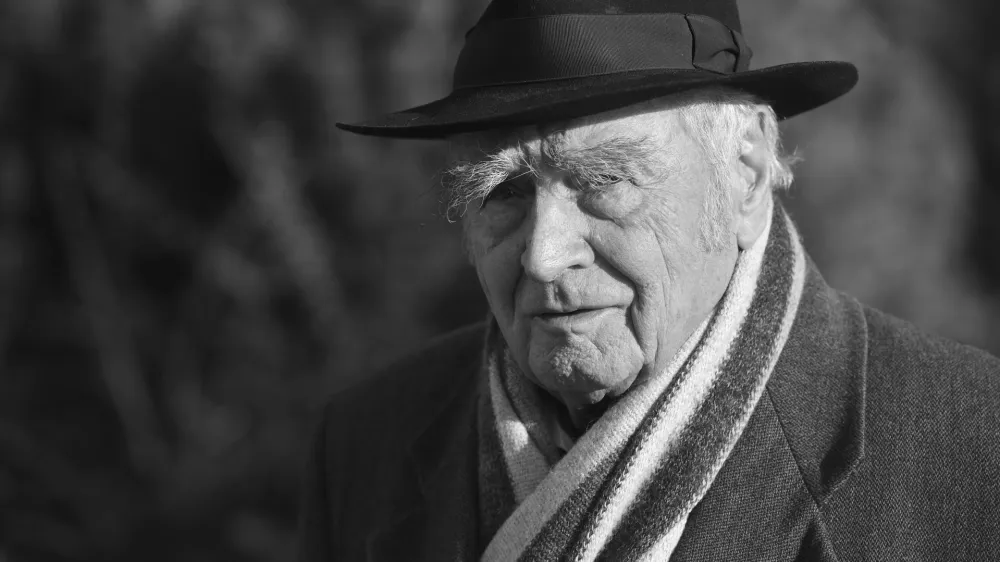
x=584 y=374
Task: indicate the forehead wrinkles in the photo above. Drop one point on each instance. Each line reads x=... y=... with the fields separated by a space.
x=646 y=147
x=653 y=128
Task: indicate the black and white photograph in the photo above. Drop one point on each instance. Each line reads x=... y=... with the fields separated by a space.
x=499 y=280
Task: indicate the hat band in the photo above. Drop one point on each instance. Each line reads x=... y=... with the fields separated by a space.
x=521 y=50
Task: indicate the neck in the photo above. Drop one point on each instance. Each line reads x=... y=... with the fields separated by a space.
x=581 y=418
x=576 y=417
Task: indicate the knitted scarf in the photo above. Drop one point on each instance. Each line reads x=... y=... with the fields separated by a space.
x=625 y=488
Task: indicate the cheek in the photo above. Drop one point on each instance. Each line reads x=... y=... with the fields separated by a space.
x=652 y=249
x=634 y=252
x=676 y=224
x=643 y=245
x=493 y=245
x=498 y=267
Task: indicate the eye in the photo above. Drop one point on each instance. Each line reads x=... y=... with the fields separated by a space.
x=612 y=197
x=504 y=192
x=605 y=180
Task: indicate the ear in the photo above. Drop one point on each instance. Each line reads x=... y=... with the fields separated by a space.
x=752 y=197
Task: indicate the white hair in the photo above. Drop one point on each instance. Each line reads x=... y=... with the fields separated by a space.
x=719 y=120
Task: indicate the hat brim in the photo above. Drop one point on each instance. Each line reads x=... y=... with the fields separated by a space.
x=790 y=89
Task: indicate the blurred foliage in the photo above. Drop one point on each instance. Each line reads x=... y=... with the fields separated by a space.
x=192 y=258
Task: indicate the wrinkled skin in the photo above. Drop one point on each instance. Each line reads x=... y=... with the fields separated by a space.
x=594 y=289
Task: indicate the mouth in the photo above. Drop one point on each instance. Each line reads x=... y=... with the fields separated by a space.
x=575 y=321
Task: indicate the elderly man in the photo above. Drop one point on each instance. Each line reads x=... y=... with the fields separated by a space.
x=664 y=374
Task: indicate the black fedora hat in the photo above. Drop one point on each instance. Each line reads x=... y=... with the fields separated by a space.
x=531 y=61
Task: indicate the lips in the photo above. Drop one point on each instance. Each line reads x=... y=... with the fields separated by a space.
x=580 y=312
x=577 y=320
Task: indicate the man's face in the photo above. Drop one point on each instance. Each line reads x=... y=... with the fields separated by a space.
x=592 y=254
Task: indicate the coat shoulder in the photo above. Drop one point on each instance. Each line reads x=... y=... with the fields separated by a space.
x=928 y=485
x=915 y=362
x=411 y=386
x=359 y=474
x=945 y=394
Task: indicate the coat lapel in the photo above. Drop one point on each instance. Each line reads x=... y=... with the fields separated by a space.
x=758 y=507
x=438 y=519
x=804 y=439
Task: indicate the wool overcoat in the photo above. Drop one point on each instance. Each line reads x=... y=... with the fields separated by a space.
x=872 y=441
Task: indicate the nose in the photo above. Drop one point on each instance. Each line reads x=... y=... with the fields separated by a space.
x=556 y=238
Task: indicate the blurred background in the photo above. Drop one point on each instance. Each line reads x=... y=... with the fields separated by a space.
x=192 y=258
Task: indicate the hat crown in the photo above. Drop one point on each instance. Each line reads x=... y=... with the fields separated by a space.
x=724 y=11
x=532 y=61
x=531 y=41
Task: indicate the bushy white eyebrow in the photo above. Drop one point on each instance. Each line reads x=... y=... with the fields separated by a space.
x=465 y=180
x=638 y=160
